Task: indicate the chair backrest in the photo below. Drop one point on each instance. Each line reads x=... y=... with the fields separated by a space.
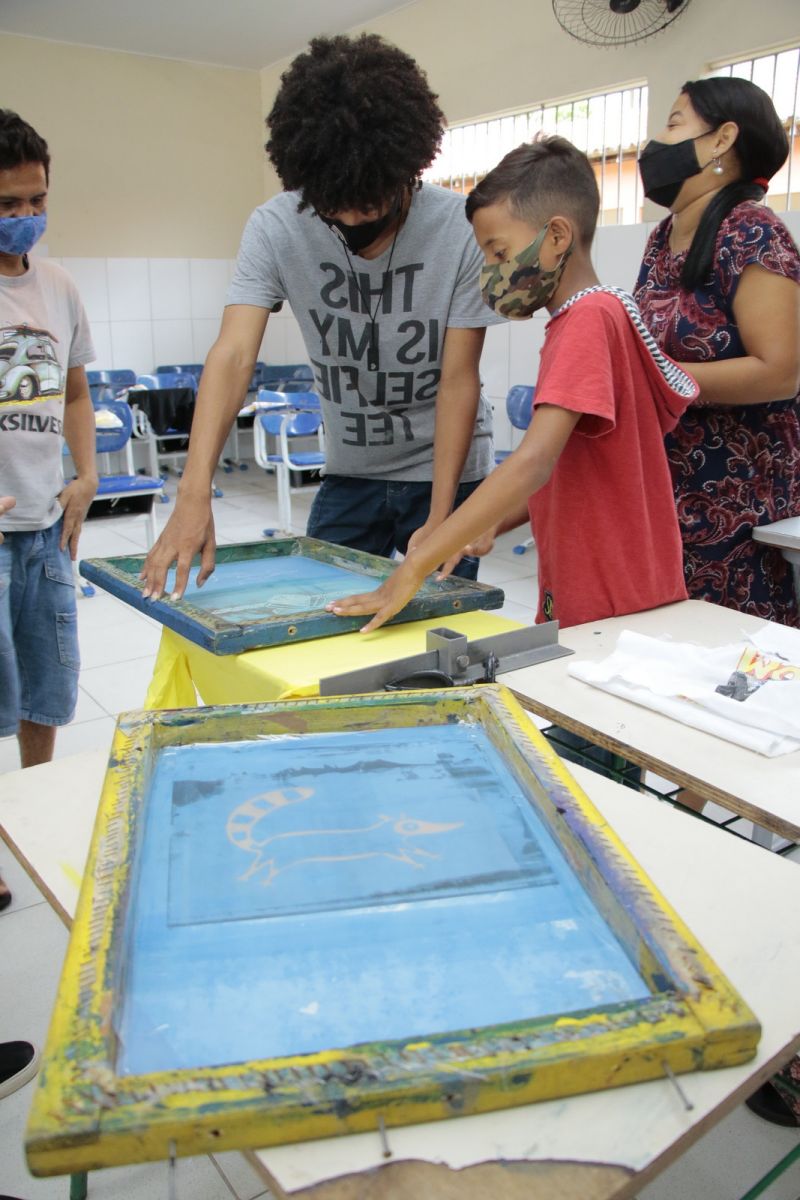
x=519 y=405
x=297 y=424
x=123 y=377
x=193 y=369
x=100 y=384
x=307 y=401
x=276 y=399
x=281 y=376
x=301 y=371
x=110 y=440
x=180 y=379
x=96 y=377
x=168 y=379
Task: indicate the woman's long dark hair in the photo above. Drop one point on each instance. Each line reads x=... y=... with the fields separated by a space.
x=761 y=147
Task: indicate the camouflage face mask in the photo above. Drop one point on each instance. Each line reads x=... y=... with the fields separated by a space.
x=518 y=288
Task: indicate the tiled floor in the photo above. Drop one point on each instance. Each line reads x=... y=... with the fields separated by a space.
x=118 y=647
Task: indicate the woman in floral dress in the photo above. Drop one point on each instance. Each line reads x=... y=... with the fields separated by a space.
x=718 y=288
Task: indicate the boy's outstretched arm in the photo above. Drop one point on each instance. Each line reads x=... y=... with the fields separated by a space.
x=504 y=491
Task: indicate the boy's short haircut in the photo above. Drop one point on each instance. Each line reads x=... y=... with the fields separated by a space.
x=539 y=180
x=20 y=143
x=353 y=123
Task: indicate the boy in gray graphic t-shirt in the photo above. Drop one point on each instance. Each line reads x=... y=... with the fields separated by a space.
x=378 y=388
x=382 y=276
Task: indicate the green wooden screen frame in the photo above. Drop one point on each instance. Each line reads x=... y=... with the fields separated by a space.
x=436 y=597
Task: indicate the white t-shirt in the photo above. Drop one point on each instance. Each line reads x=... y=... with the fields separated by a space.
x=379 y=423
x=43 y=332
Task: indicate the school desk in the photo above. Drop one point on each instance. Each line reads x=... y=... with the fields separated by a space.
x=733 y=895
x=763 y=790
x=785 y=535
x=184 y=670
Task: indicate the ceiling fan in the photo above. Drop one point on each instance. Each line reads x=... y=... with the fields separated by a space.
x=616 y=22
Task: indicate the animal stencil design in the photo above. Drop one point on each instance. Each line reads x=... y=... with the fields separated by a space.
x=254 y=827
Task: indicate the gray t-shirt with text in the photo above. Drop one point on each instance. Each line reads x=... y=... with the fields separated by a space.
x=380 y=422
x=43 y=332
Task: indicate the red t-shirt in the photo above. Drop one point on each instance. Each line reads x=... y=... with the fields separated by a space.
x=605 y=524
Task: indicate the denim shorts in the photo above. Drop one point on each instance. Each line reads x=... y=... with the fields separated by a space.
x=39 y=661
x=377 y=515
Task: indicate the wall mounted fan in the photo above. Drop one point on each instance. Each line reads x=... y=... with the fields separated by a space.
x=616 y=22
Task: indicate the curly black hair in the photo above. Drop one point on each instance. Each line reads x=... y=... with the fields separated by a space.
x=354 y=121
x=20 y=143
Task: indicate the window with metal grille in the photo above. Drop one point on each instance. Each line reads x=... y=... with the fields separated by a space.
x=779 y=75
x=610 y=127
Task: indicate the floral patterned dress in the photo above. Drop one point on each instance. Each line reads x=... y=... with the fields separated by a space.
x=733 y=467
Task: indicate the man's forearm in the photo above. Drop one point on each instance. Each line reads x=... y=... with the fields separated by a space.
x=456 y=409
x=223 y=387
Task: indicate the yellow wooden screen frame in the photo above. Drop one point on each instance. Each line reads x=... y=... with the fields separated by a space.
x=86 y=1116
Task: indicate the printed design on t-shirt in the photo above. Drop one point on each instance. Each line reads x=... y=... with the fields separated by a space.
x=754 y=669
x=374 y=387
x=548 y=605
x=30 y=372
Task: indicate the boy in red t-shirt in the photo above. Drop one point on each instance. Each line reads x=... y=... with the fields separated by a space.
x=591 y=470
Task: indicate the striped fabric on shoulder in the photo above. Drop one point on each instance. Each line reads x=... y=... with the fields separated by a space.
x=681 y=383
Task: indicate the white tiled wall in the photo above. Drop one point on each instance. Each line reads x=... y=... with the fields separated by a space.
x=161 y=310
x=144 y=312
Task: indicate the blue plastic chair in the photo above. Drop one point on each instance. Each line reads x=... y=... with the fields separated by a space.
x=108 y=385
x=117 y=440
x=281 y=377
x=300 y=418
x=101 y=385
x=160 y=381
x=193 y=369
x=168 y=379
x=519 y=407
x=122 y=377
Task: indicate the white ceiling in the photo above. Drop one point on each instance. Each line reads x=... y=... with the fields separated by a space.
x=231 y=33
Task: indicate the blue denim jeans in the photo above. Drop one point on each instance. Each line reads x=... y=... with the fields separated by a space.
x=377 y=515
x=39 y=661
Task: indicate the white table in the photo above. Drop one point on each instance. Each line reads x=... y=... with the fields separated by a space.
x=783 y=534
x=733 y=895
x=764 y=790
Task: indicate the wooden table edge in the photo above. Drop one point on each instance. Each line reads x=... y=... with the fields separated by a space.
x=735 y=804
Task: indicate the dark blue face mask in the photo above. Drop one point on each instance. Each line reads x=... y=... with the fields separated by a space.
x=19 y=234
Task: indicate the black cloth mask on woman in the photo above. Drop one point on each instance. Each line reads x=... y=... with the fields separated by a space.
x=664 y=166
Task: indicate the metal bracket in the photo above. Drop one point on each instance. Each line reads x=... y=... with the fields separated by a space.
x=451 y=654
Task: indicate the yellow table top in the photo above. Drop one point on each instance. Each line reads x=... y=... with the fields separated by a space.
x=183 y=670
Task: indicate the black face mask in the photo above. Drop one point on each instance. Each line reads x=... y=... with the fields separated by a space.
x=664 y=166
x=358 y=237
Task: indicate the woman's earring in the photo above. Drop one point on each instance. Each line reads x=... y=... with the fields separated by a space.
x=717 y=168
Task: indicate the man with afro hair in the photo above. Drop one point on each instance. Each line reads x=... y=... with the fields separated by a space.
x=381 y=272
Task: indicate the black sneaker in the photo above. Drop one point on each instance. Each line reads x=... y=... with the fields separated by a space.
x=19 y=1062
x=768 y=1104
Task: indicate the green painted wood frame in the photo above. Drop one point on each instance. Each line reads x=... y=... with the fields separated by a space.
x=120 y=577
x=85 y=1115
